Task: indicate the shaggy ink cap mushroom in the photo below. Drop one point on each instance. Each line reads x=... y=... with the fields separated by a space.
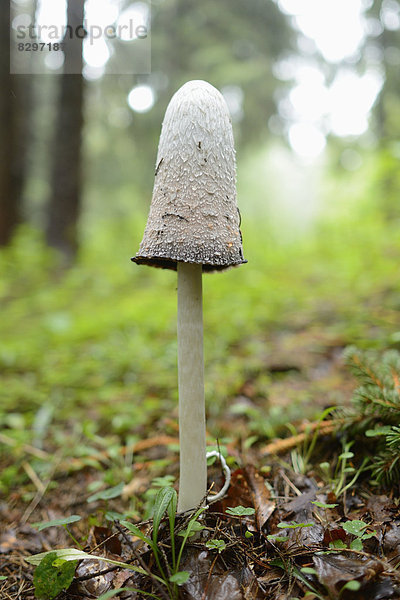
x=193 y=215
x=193 y=226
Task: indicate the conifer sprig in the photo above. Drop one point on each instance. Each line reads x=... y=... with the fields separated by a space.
x=375 y=409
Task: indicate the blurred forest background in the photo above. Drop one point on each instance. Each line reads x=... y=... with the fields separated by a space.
x=77 y=153
x=87 y=350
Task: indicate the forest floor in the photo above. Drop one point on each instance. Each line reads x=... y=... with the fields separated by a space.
x=303 y=516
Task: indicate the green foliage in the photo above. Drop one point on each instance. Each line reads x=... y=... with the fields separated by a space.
x=72 y=554
x=274 y=538
x=375 y=411
x=64 y=522
x=323 y=504
x=352 y=585
x=301 y=456
x=308 y=571
x=293 y=525
x=218 y=545
x=180 y=577
x=52 y=576
x=151 y=493
x=166 y=502
x=345 y=474
x=357 y=529
x=240 y=511
x=108 y=494
x=60 y=565
x=56 y=522
x=195 y=528
x=379 y=393
x=88 y=354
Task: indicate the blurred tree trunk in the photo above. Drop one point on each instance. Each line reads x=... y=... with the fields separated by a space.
x=8 y=217
x=15 y=112
x=10 y=173
x=66 y=183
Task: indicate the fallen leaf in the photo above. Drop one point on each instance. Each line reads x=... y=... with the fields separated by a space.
x=334 y=570
x=260 y=495
x=52 y=576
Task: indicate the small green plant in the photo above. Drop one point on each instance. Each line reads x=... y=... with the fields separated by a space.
x=323 y=505
x=304 y=575
x=240 y=511
x=218 y=545
x=195 y=527
x=338 y=478
x=107 y=494
x=293 y=525
x=60 y=522
x=353 y=585
x=52 y=576
x=166 y=501
x=275 y=537
x=357 y=529
x=44 y=567
x=301 y=456
x=151 y=493
x=54 y=563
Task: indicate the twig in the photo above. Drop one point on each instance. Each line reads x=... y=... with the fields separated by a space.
x=40 y=487
x=290 y=483
x=318 y=428
x=4 y=439
x=39 y=494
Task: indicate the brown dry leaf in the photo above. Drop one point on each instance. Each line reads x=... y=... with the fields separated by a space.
x=107 y=540
x=332 y=534
x=123 y=578
x=260 y=495
x=301 y=503
x=238 y=493
x=383 y=512
x=95 y=586
x=389 y=537
x=209 y=580
x=334 y=570
x=382 y=509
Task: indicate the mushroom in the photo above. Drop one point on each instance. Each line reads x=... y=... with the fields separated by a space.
x=193 y=226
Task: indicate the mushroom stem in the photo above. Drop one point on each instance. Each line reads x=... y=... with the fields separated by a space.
x=192 y=425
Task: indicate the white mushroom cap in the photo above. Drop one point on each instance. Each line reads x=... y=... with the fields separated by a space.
x=193 y=215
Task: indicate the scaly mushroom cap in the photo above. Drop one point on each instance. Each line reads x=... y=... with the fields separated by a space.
x=193 y=215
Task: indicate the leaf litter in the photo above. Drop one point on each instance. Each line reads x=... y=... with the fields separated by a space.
x=279 y=533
